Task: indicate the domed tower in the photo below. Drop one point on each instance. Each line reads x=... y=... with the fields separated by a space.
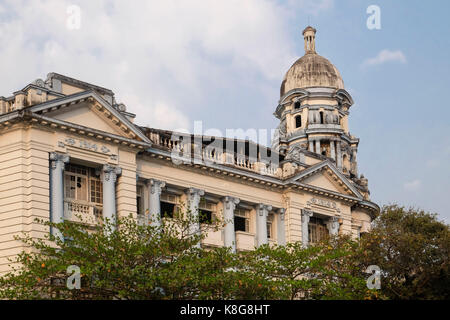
x=313 y=110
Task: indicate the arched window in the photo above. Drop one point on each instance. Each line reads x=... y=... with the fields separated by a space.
x=298 y=121
x=321 y=117
x=297 y=105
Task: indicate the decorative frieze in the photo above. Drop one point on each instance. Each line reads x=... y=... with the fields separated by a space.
x=323 y=203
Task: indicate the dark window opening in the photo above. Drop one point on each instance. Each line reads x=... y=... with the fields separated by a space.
x=205 y=216
x=139 y=204
x=298 y=121
x=321 y=117
x=269 y=230
x=167 y=209
x=297 y=105
x=239 y=224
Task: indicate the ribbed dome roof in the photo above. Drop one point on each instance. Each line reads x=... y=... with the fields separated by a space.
x=311 y=70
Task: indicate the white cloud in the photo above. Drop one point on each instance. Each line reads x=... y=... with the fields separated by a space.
x=157 y=56
x=384 y=56
x=412 y=185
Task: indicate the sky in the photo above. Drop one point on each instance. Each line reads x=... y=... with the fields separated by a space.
x=222 y=63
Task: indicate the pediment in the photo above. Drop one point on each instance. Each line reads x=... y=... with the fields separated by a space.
x=324 y=181
x=89 y=110
x=84 y=114
x=326 y=176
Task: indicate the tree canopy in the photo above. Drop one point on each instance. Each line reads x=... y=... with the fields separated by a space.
x=143 y=261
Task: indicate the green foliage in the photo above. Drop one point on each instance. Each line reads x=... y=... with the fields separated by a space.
x=412 y=248
x=143 y=261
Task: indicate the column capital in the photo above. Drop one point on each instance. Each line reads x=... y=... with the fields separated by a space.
x=192 y=192
x=263 y=209
x=109 y=172
x=306 y=214
x=230 y=202
x=155 y=186
x=56 y=158
x=333 y=225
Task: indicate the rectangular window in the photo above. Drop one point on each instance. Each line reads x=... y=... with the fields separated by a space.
x=298 y=121
x=241 y=220
x=206 y=211
x=317 y=230
x=96 y=191
x=269 y=226
x=81 y=184
x=140 y=199
x=75 y=186
x=168 y=204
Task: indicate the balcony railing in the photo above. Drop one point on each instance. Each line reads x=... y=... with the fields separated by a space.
x=245 y=241
x=81 y=211
x=189 y=152
x=214 y=238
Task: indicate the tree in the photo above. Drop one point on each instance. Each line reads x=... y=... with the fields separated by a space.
x=133 y=262
x=412 y=248
x=326 y=270
x=142 y=261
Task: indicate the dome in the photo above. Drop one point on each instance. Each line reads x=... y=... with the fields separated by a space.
x=311 y=70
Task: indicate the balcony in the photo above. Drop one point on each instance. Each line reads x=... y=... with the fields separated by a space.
x=213 y=238
x=245 y=241
x=81 y=211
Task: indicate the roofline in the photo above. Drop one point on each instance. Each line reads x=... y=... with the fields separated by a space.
x=85 y=95
x=333 y=168
x=54 y=75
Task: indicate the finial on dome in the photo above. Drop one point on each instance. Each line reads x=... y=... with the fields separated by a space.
x=309 y=34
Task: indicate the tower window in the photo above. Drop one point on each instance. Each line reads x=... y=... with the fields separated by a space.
x=297 y=105
x=321 y=117
x=298 y=121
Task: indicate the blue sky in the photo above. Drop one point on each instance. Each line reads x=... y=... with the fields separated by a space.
x=222 y=62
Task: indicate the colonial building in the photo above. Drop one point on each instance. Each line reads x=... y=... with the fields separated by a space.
x=68 y=148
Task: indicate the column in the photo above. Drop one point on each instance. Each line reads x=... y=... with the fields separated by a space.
x=332 y=150
x=108 y=175
x=193 y=199
x=154 y=195
x=229 y=204
x=339 y=155
x=318 y=146
x=311 y=145
x=262 y=211
x=57 y=162
x=333 y=226
x=281 y=228
x=306 y=214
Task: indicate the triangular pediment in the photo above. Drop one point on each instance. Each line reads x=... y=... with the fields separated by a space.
x=89 y=110
x=324 y=181
x=325 y=176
